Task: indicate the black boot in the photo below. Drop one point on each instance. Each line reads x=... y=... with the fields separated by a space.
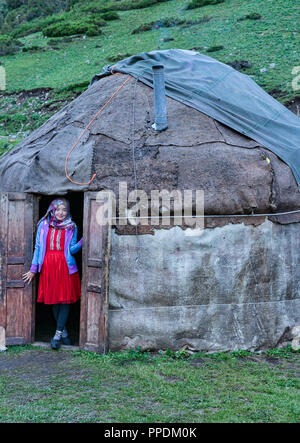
x=55 y=341
x=65 y=338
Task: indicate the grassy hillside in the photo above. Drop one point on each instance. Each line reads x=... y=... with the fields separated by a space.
x=262 y=32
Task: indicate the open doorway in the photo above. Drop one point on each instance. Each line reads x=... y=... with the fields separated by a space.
x=44 y=321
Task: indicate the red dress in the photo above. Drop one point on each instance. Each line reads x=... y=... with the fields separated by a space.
x=56 y=285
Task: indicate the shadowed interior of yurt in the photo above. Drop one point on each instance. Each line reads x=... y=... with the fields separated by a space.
x=44 y=320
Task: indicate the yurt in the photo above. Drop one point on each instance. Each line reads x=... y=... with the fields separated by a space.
x=223 y=275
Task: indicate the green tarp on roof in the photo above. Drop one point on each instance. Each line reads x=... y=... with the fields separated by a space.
x=223 y=93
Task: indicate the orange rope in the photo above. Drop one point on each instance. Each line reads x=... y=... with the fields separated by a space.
x=93 y=119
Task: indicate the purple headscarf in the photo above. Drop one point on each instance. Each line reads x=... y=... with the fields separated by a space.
x=67 y=223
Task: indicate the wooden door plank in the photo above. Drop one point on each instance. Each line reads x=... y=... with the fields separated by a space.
x=3 y=257
x=94 y=298
x=17 y=216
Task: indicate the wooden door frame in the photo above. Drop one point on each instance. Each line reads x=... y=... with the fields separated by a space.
x=11 y=266
x=95 y=277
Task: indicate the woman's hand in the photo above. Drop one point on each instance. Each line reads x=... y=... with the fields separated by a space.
x=28 y=277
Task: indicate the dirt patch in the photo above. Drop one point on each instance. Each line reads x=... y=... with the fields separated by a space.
x=21 y=96
x=29 y=359
x=170 y=379
x=294 y=105
x=291 y=364
x=44 y=97
x=240 y=64
x=273 y=361
x=38 y=365
x=197 y=362
x=262 y=359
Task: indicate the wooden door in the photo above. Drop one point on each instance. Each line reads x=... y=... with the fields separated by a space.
x=18 y=214
x=95 y=272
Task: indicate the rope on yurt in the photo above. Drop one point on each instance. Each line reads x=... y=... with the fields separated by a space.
x=272 y=214
x=133 y=159
x=93 y=119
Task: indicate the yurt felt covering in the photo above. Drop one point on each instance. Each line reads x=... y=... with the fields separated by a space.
x=233 y=287
x=195 y=152
x=223 y=93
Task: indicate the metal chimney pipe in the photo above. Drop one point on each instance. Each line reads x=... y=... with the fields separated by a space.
x=160 y=121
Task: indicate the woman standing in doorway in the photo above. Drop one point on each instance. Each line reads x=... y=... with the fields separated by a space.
x=59 y=283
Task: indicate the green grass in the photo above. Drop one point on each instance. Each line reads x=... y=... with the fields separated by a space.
x=241 y=40
x=7 y=143
x=133 y=386
x=269 y=43
x=20 y=115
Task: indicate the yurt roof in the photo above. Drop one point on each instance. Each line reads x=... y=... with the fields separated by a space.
x=224 y=94
x=238 y=173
